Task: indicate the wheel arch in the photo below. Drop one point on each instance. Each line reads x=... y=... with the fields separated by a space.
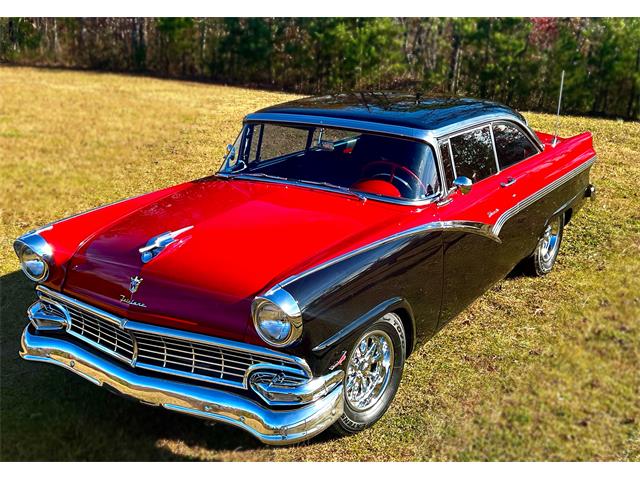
x=408 y=323
x=568 y=214
x=398 y=305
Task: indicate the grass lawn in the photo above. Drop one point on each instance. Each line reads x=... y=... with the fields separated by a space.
x=537 y=369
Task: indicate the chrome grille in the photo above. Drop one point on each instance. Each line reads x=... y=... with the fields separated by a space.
x=174 y=355
x=109 y=336
x=196 y=359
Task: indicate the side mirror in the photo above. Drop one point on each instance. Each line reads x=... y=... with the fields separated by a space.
x=230 y=160
x=463 y=184
x=231 y=153
x=326 y=146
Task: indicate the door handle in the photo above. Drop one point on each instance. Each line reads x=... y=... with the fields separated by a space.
x=510 y=181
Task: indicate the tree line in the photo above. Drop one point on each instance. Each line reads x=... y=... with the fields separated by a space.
x=517 y=61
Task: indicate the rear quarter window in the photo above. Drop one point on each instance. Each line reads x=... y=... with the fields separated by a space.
x=512 y=145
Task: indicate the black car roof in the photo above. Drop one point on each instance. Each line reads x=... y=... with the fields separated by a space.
x=395 y=108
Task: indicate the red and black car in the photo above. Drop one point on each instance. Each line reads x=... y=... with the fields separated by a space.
x=284 y=293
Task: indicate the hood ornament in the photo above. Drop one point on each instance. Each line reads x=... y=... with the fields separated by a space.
x=157 y=244
x=134 y=284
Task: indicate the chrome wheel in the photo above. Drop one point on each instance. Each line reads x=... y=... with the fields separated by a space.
x=372 y=374
x=549 y=244
x=369 y=370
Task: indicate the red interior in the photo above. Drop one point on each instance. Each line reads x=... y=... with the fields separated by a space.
x=379 y=187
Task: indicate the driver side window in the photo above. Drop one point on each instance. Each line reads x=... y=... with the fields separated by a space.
x=269 y=141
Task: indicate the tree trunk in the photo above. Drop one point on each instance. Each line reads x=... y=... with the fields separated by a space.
x=634 y=98
x=454 y=64
x=203 y=44
x=56 y=45
x=483 y=80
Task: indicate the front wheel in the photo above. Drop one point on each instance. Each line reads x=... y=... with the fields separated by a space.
x=544 y=256
x=373 y=374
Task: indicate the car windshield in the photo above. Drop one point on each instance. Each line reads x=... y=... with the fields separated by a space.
x=360 y=162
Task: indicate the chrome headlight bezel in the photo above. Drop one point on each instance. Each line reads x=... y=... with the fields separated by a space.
x=277 y=301
x=33 y=248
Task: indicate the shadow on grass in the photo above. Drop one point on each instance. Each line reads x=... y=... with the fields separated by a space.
x=49 y=414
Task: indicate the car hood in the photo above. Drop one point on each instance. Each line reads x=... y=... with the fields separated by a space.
x=240 y=237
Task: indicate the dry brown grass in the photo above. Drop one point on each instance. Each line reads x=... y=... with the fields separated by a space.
x=537 y=369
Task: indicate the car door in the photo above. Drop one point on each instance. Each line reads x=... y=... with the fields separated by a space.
x=517 y=156
x=473 y=256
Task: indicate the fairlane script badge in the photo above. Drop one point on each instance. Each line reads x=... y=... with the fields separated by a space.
x=133 y=288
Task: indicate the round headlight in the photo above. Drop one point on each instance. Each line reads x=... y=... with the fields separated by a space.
x=34 y=254
x=277 y=318
x=33 y=264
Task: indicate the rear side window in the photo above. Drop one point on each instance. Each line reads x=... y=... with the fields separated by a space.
x=512 y=145
x=473 y=155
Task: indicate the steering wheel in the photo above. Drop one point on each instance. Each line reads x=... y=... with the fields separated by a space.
x=394 y=169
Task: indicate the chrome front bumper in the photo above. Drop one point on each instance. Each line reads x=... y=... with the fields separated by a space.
x=275 y=427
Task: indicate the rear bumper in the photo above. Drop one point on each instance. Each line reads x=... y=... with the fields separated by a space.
x=276 y=427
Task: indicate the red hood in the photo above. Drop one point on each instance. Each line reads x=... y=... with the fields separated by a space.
x=245 y=237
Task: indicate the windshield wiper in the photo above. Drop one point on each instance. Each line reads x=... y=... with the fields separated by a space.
x=339 y=188
x=263 y=175
x=331 y=186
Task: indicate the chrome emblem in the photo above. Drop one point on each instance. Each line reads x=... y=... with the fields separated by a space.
x=493 y=212
x=134 y=284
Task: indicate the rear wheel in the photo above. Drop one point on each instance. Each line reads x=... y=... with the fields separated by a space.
x=544 y=256
x=373 y=373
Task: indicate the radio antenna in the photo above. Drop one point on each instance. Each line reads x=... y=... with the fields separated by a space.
x=555 y=135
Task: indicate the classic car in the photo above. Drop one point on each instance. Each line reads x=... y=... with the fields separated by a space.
x=284 y=293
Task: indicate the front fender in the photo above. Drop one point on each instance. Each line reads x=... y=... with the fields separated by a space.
x=345 y=337
x=344 y=297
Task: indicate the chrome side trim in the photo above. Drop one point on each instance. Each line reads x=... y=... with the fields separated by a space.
x=531 y=199
x=490 y=231
x=476 y=228
x=276 y=427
